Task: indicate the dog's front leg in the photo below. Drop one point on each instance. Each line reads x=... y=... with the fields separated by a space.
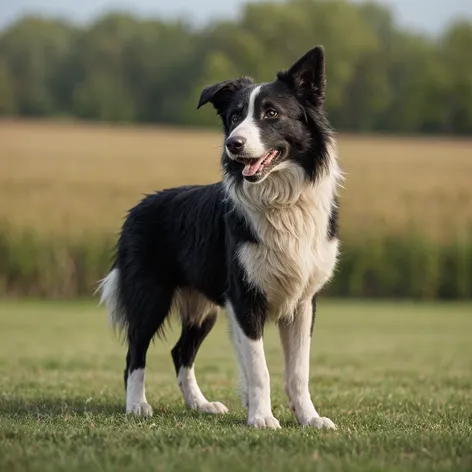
x=246 y=331
x=296 y=338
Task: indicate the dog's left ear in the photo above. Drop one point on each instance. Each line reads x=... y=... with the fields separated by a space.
x=219 y=95
x=307 y=77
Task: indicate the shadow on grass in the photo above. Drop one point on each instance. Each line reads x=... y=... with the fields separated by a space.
x=81 y=407
x=57 y=407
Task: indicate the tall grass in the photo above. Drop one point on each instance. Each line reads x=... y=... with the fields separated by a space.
x=32 y=265
x=406 y=267
x=79 y=178
x=406 y=209
x=393 y=267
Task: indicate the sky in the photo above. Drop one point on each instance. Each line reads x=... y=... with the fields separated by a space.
x=428 y=16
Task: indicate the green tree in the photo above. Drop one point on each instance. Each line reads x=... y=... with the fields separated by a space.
x=8 y=105
x=34 y=49
x=455 y=52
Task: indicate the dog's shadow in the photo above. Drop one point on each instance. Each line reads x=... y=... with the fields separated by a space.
x=26 y=409
x=57 y=407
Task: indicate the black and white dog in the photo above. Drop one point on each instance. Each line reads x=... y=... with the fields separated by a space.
x=261 y=244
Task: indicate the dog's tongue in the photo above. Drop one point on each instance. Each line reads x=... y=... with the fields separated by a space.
x=253 y=167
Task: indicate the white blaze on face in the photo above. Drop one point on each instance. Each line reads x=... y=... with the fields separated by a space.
x=249 y=130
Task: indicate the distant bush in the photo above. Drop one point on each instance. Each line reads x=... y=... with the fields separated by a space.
x=57 y=268
x=392 y=267
x=404 y=267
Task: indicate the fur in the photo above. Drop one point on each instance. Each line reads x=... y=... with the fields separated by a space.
x=261 y=243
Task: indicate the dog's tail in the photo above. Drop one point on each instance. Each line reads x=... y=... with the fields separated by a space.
x=109 y=289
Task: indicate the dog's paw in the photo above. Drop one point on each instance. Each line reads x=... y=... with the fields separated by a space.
x=261 y=422
x=140 y=409
x=320 y=423
x=213 y=407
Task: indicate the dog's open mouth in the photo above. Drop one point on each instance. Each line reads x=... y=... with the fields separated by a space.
x=253 y=167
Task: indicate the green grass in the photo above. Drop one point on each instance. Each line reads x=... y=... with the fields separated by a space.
x=395 y=377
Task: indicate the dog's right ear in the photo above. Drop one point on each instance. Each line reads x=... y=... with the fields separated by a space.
x=219 y=95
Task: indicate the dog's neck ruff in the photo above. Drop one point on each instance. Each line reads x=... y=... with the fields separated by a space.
x=287 y=186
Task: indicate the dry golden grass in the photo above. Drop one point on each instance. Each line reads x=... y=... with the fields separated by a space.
x=81 y=178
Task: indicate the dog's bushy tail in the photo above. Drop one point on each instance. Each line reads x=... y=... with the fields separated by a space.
x=109 y=289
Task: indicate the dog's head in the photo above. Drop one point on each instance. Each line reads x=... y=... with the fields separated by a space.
x=274 y=125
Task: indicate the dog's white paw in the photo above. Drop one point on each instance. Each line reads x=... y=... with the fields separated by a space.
x=140 y=409
x=213 y=407
x=320 y=423
x=264 y=422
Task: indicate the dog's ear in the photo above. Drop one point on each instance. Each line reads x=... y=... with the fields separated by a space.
x=219 y=95
x=307 y=77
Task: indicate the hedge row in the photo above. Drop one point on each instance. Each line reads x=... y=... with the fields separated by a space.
x=393 y=267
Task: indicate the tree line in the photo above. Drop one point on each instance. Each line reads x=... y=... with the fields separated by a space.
x=122 y=68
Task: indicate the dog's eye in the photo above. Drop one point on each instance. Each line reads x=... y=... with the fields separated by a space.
x=234 y=118
x=271 y=113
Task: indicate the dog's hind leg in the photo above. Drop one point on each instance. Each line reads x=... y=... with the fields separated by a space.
x=198 y=318
x=148 y=315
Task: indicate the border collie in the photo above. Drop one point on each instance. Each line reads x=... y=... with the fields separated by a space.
x=261 y=243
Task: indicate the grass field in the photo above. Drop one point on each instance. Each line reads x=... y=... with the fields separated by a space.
x=395 y=377
x=80 y=179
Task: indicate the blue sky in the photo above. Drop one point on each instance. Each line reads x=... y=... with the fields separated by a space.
x=424 y=15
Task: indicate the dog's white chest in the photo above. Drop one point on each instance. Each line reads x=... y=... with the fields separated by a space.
x=295 y=257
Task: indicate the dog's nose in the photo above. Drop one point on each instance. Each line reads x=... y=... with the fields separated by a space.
x=235 y=144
